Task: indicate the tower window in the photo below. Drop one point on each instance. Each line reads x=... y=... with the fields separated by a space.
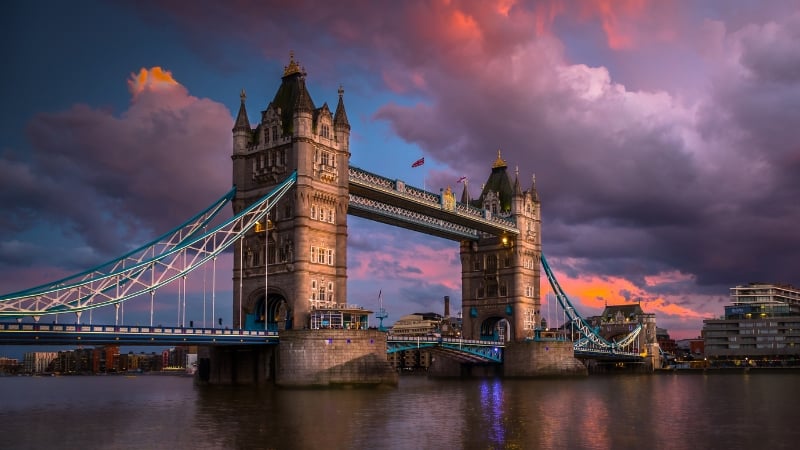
x=274 y=133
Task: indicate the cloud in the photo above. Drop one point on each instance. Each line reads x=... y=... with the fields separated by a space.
x=113 y=181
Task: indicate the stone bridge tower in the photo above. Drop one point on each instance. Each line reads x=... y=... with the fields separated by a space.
x=500 y=274
x=303 y=245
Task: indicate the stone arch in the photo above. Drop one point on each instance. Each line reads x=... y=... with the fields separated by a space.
x=272 y=312
x=496 y=329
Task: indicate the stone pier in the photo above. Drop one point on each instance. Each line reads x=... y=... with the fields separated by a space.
x=541 y=359
x=324 y=358
x=235 y=365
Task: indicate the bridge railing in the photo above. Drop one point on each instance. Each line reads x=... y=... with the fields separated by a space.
x=135 y=329
x=394 y=187
x=448 y=340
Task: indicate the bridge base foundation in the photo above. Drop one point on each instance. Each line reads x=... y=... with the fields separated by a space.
x=324 y=358
x=541 y=359
x=443 y=367
x=235 y=365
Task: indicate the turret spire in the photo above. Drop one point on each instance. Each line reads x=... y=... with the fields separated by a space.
x=340 y=117
x=242 y=122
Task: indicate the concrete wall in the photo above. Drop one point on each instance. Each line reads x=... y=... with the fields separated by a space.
x=333 y=357
x=538 y=359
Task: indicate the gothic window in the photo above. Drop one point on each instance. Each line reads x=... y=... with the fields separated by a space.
x=481 y=291
x=325 y=158
x=507 y=260
x=274 y=133
x=321 y=294
x=331 y=216
x=491 y=263
x=330 y=291
x=477 y=263
x=271 y=160
x=261 y=160
x=491 y=287
x=322 y=214
x=330 y=257
x=266 y=135
x=313 y=254
x=503 y=289
x=314 y=212
x=326 y=131
x=494 y=208
x=313 y=289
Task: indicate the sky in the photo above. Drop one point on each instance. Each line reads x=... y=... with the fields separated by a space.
x=663 y=136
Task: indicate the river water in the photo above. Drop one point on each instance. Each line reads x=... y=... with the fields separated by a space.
x=662 y=411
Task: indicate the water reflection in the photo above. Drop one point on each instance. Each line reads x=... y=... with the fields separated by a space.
x=619 y=412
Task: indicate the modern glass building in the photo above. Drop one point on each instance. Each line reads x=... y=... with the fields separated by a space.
x=761 y=327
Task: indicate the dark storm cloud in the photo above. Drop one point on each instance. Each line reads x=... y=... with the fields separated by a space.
x=112 y=181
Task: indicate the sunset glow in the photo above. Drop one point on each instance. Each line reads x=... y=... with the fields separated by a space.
x=152 y=79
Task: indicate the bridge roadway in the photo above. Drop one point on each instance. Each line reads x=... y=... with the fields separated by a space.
x=393 y=202
x=11 y=333
x=81 y=334
x=464 y=350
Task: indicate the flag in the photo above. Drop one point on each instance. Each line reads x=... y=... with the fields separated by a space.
x=464 y=178
x=418 y=162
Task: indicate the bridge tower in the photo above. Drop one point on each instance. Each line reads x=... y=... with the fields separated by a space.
x=500 y=274
x=303 y=245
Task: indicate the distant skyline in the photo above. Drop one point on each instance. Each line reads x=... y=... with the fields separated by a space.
x=663 y=135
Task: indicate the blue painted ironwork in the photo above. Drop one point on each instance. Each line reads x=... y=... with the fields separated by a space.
x=591 y=341
x=166 y=261
x=385 y=198
x=466 y=349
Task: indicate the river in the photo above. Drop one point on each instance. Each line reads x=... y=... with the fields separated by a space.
x=662 y=411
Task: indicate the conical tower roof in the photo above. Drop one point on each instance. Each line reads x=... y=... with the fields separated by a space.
x=340 y=118
x=498 y=182
x=242 y=122
x=292 y=95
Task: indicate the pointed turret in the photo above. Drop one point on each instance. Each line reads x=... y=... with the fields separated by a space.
x=292 y=96
x=340 y=118
x=517 y=187
x=341 y=126
x=465 y=194
x=533 y=191
x=499 y=185
x=242 y=122
x=241 y=128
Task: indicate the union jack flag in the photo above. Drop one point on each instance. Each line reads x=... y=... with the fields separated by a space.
x=462 y=179
x=418 y=162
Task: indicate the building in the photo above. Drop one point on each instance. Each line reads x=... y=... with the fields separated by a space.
x=665 y=342
x=761 y=326
x=38 y=362
x=9 y=366
x=302 y=245
x=417 y=324
x=500 y=274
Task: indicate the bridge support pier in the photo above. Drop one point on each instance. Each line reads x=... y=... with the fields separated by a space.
x=324 y=358
x=541 y=359
x=235 y=365
x=442 y=367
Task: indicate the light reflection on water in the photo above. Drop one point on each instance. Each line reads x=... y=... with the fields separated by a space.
x=615 y=412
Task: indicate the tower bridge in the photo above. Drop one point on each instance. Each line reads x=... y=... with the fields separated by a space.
x=293 y=190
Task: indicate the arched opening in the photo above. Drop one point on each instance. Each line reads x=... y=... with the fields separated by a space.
x=496 y=329
x=271 y=315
